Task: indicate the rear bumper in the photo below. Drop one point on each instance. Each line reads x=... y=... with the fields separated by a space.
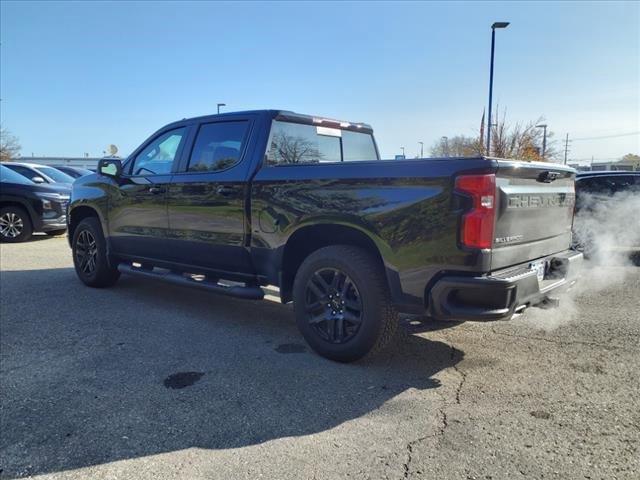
x=498 y=295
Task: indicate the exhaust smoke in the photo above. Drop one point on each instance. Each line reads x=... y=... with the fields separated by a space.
x=607 y=230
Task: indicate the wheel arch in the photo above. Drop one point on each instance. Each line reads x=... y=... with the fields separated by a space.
x=79 y=213
x=18 y=202
x=307 y=239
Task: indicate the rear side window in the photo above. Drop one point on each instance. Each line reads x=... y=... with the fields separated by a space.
x=218 y=146
x=295 y=143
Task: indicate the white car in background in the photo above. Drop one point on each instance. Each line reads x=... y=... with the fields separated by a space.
x=39 y=173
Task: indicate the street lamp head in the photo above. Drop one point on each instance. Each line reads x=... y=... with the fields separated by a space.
x=542 y=125
x=500 y=25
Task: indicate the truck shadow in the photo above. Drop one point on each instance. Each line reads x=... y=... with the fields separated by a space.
x=95 y=376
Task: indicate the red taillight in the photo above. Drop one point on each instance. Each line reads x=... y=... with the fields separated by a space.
x=477 y=224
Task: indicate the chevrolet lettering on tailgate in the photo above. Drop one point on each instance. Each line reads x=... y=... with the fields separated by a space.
x=541 y=200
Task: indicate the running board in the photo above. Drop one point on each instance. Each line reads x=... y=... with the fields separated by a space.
x=246 y=292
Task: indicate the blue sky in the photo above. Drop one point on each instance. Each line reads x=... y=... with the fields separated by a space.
x=76 y=77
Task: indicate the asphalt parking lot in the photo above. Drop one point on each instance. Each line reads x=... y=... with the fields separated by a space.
x=146 y=380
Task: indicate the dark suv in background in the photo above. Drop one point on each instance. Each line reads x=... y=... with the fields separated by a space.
x=606 y=223
x=26 y=207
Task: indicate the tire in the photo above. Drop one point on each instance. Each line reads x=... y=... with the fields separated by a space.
x=89 y=250
x=358 y=317
x=56 y=233
x=15 y=225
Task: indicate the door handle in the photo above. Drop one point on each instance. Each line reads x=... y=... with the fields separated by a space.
x=156 y=190
x=225 y=191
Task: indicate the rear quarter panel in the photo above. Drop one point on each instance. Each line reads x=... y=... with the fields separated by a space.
x=405 y=207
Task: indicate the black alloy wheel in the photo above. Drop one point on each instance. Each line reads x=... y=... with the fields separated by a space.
x=86 y=252
x=333 y=305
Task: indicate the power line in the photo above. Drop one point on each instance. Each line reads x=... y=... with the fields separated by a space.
x=608 y=136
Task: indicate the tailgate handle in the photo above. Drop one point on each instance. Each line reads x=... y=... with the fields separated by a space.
x=548 y=177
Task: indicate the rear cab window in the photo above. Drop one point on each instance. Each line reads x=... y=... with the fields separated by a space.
x=297 y=143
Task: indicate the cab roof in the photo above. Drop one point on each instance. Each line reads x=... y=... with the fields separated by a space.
x=289 y=116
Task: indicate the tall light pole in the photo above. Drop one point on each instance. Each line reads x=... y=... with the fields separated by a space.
x=544 y=137
x=493 y=47
x=445 y=144
x=402 y=148
x=421 y=149
x=221 y=105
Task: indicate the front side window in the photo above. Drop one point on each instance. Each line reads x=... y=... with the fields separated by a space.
x=56 y=175
x=218 y=146
x=158 y=157
x=295 y=143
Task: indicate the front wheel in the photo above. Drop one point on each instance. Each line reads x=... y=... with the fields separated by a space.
x=90 y=255
x=342 y=303
x=15 y=225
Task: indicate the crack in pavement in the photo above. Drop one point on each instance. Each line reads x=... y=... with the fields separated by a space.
x=463 y=376
x=444 y=422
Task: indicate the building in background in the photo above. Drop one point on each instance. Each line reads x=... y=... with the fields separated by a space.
x=82 y=162
x=629 y=162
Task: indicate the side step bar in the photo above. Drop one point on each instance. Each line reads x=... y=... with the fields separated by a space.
x=246 y=292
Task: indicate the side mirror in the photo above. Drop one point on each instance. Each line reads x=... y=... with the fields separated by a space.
x=38 y=180
x=110 y=166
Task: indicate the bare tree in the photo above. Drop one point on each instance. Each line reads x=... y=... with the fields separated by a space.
x=9 y=145
x=458 y=146
x=289 y=149
x=632 y=159
x=520 y=142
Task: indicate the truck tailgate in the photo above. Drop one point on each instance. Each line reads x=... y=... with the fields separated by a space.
x=534 y=211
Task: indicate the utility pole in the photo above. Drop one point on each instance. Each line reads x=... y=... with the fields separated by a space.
x=421 y=149
x=544 y=138
x=566 y=148
x=403 y=155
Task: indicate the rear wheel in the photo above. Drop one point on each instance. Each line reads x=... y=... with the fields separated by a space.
x=15 y=225
x=90 y=255
x=342 y=303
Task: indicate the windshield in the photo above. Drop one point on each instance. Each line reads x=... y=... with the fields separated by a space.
x=9 y=176
x=54 y=174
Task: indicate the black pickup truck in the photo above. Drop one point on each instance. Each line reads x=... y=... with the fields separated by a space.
x=255 y=203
